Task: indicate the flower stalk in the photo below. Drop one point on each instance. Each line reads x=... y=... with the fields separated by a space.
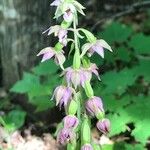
x=75 y=129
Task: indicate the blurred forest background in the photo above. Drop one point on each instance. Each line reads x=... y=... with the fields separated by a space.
x=28 y=117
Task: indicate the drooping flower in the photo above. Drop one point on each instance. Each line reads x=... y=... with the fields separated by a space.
x=56 y=2
x=91 y=69
x=68 y=9
x=76 y=77
x=87 y=147
x=68 y=15
x=94 y=106
x=70 y=121
x=50 y=52
x=65 y=136
x=97 y=47
x=63 y=95
x=58 y=31
x=103 y=125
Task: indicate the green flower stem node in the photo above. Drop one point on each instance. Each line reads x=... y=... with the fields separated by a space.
x=76 y=60
x=65 y=24
x=88 y=89
x=58 y=46
x=73 y=106
x=100 y=115
x=85 y=132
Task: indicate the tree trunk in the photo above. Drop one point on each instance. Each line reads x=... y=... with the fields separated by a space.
x=21 y=25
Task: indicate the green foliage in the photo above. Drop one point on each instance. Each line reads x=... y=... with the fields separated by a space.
x=13 y=120
x=38 y=85
x=116 y=32
x=124 y=88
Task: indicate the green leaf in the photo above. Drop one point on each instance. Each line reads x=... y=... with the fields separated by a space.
x=139 y=113
x=119 y=122
x=28 y=82
x=116 y=32
x=123 y=54
x=42 y=103
x=142 y=69
x=121 y=80
x=14 y=119
x=45 y=68
x=140 y=43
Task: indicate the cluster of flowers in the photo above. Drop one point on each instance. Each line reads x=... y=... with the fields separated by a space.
x=77 y=76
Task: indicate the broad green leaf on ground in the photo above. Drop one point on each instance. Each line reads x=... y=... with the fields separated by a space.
x=45 y=68
x=123 y=54
x=139 y=113
x=117 y=82
x=113 y=104
x=140 y=43
x=116 y=32
x=119 y=122
x=42 y=102
x=28 y=82
x=14 y=119
x=41 y=90
x=142 y=69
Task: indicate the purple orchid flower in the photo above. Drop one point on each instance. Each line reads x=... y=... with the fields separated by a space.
x=92 y=69
x=63 y=95
x=50 y=52
x=70 y=121
x=94 y=106
x=103 y=126
x=97 y=47
x=87 y=147
x=58 y=31
x=68 y=15
x=76 y=77
x=65 y=135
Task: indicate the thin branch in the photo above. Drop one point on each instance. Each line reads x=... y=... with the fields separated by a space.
x=130 y=10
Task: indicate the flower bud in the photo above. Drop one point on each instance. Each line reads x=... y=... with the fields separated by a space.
x=87 y=147
x=70 y=121
x=65 y=136
x=94 y=107
x=103 y=126
x=88 y=89
x=76 y=60
x=85 y=132
x=72 y=108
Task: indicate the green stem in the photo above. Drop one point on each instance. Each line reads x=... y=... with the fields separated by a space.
x=76 y=60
